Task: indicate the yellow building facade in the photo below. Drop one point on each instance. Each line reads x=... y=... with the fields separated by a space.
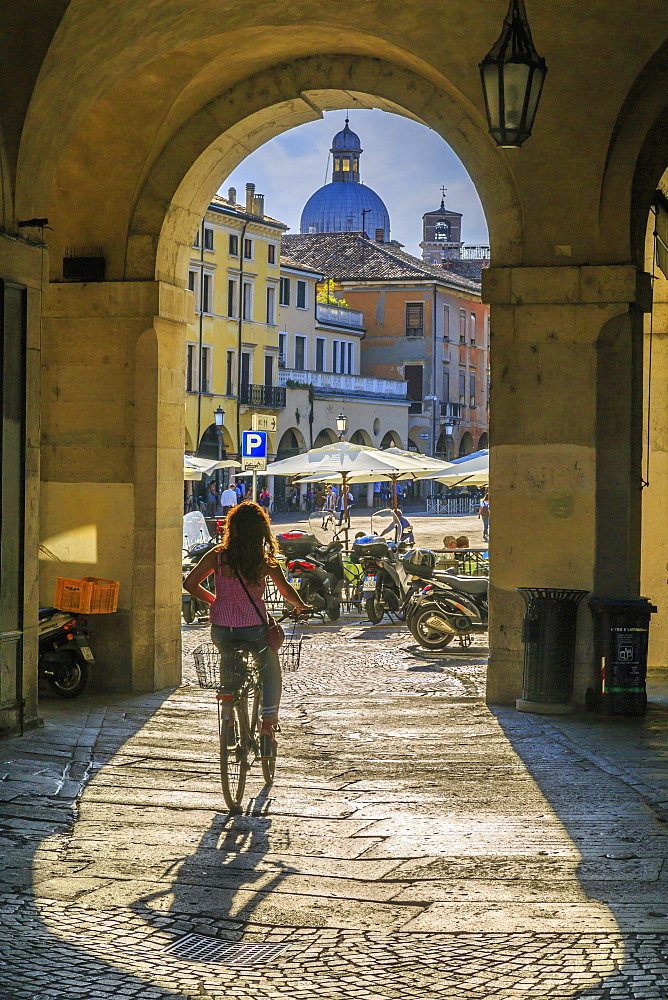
x=232 y=347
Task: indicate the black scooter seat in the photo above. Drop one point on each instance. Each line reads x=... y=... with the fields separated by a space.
x=46 y=613
x=468 y=584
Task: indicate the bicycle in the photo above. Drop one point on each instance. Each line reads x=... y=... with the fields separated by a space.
x=238 y=712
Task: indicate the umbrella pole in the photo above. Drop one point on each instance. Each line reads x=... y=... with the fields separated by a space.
x=344 y=487
x=394 y=491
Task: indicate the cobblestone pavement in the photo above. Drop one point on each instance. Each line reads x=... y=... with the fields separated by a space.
x=413 y=842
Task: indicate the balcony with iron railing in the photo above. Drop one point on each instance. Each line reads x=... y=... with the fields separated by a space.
x=340 y=316
x=272 y=396
x=345 y=384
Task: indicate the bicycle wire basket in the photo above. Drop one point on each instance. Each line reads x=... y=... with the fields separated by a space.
x=290 y=653
x=207 y=665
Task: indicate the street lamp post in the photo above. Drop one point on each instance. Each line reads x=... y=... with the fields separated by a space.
x=342 y=427
x=219 y=417
x=448 y=440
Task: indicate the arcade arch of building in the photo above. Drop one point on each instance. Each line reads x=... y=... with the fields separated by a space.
x=129 y=158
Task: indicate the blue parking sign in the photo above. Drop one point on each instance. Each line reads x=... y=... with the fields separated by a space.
x=254 y=444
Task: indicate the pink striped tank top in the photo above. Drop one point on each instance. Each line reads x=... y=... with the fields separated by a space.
x=232 y=607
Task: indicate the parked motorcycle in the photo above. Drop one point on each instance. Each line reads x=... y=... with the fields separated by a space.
x=387 y=582
x=315 y=571
x=65 y=655
x=447 y=607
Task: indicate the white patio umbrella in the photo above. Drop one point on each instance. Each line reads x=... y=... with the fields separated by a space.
x=194 y=468
x=341 y=460
x=403 y=466
x=471 y=471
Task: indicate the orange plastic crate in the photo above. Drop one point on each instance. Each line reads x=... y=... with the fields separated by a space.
x=91 y=595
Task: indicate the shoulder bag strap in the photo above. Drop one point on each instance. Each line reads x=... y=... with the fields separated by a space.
x=259 y=613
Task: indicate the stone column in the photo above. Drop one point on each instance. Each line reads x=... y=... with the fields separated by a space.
x=654 y=575
x=24 y=271
x=369 y=495
x=112 y=477
x=566 y=423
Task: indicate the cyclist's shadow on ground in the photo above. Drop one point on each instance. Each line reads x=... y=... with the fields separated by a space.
x=228 y=876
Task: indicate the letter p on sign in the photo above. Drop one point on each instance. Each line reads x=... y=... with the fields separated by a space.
x=254 y=444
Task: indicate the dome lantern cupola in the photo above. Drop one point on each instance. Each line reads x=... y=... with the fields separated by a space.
x=345 y=204
x=346 y=151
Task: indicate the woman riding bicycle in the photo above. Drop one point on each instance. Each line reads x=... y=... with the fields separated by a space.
x=241 y=563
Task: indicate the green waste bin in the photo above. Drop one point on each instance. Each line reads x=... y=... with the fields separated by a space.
x=548 y=634
x=621 y=636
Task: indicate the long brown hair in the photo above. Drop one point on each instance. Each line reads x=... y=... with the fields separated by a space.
x=247 y=543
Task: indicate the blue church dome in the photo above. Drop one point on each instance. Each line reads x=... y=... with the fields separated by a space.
x=345 y=205
x=337 y=208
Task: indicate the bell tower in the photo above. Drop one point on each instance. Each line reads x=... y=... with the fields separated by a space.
x=441 y=234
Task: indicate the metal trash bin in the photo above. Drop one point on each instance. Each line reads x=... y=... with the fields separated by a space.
x=621 y=636
x=548 y=634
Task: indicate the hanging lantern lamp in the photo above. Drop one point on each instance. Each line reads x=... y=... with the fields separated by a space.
x=512 y=76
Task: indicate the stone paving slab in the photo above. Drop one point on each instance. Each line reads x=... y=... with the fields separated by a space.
x=414 y=842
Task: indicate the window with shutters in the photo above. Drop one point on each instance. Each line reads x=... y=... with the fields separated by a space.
x=413 y=375
x=205 y=370
x=301 y=294
x=232 y=298
x=472 y=401
x=462 y=386
x=285 y=292
x=271 y=305
x=208 y=238
x=300 y=353
x=472 y=329
x=320 y=354
x=207 y=293
x=271 y=253
x=462 y=326
x=446 y=384
x=234 y=245
x=229 y=374
x=248 y=249
x=191 y=368
x=414 y=319
x=248 y=300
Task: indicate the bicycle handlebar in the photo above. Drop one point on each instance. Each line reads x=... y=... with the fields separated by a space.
x=296 y=616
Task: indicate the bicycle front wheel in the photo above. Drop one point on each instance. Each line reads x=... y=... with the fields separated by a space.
x=234 y=757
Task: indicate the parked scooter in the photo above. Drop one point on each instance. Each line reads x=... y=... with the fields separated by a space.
x=387 y=583
x=448 y=607
x=196 y=543
x=315 y=571
x=192 y=607
x=65 y=655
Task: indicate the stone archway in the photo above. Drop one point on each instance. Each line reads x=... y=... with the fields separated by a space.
x=291 y=443
x=483 y=442
x=465 y=444
x=361 y=437
x=324 y=437
x=173 y=104
x=391 y=439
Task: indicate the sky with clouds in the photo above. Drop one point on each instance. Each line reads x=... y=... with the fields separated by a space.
x=404 y=162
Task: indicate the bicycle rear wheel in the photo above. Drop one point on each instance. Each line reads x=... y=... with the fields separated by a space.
x=234 y=756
